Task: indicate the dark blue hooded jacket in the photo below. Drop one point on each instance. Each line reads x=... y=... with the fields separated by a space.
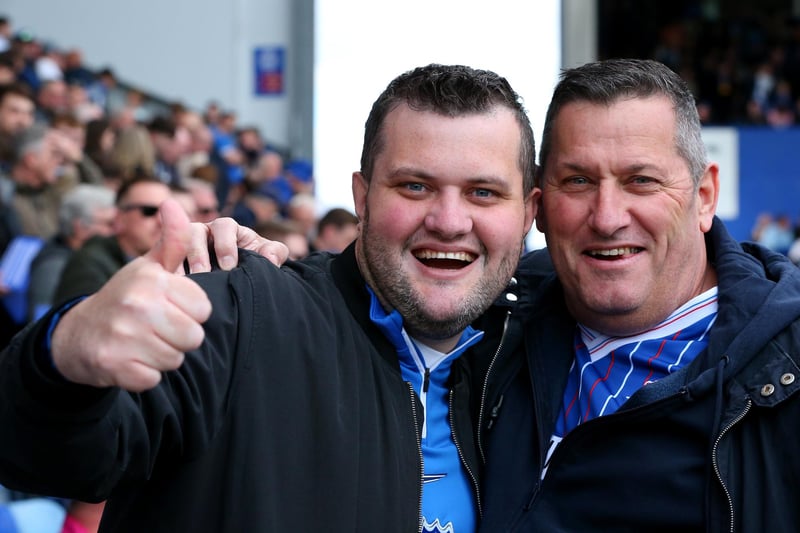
x=712 y=447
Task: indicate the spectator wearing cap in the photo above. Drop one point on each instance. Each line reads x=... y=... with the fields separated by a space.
x=136 y=228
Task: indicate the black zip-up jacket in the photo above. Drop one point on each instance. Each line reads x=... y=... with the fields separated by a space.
x=711 y=448
x=292 y=416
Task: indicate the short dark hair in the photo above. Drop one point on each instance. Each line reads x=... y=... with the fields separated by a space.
x=163 y=125
x=139 y=176
x=16 y=88
x=337 y=217
x=450 y=90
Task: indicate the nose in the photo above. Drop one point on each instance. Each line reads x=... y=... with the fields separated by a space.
x=609 y=210
x=449 y=216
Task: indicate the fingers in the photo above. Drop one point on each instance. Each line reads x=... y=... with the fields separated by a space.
x=197 y=256
x=225 y=229
x=171 y=248
x=275 y=251
x=142 y=322
x=227 y=237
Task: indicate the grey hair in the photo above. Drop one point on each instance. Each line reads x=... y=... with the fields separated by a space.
x=605 y=82
x=80 y=203
x=28 y=140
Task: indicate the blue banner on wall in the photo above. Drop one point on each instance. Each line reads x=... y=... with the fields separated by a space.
x=269 y=64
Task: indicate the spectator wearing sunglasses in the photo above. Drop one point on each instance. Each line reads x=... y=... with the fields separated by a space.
x=137 y=227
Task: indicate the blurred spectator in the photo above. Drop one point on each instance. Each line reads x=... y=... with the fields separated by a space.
x=776 y=233
x=171 y=142
x=16 y=114
x=251 y=144
x=335 y=231
x=205 y=199
x=185 y=198
x=134 y=106
x=6 y=33
x=100 y=139
x=780 y=111
x=133 y=151
x=75 y=73
x=136 y=229
x=100 y=90
x=70 y=137
x=29 y=50
x=85 y=211
x=212 y=113
x=267 y=177
x=201 y=142
x=29 y=201
x=252 y=207
x=8 y=72
x=227 y=157
x=51 y=100
x=32 y=179
x=49 y=65
x=79 y=105
x=302 y=209
x=300 y=175
x=286 y=232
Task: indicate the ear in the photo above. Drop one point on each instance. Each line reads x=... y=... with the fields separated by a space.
x=541 y=222
x=531 y=207
x=360 y=188
x=707 y=196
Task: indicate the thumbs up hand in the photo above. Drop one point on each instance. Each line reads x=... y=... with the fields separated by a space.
x=141 y=321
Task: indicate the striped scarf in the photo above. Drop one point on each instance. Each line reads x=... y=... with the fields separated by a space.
x=608 y=370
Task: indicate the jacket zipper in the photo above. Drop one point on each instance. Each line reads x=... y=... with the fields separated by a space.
x=486 y=384
x=419 y=451
x=714 y=458
x=461 y=456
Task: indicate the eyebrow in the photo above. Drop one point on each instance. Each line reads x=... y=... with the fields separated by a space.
x=477 y=180
x=633 y=168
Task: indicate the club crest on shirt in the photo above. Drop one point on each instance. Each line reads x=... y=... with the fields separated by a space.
x=436 y=527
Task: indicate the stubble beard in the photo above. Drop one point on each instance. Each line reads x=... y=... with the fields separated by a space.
x=395 y=289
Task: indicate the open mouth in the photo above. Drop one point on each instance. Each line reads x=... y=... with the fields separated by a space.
x=613 y=254
x=446 y=260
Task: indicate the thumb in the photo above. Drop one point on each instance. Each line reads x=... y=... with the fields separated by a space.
x=171 y=248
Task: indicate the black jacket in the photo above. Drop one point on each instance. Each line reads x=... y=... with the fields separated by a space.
x=292 y=416
x=710 y=448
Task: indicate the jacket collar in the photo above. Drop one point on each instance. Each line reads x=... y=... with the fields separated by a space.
x=348 y=279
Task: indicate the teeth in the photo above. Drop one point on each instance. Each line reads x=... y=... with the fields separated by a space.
x=613 y=252
x=456 y=256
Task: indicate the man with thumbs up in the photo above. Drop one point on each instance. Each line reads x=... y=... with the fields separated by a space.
x=326 y=395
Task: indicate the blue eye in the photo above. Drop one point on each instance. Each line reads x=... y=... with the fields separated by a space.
x=417 y=187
